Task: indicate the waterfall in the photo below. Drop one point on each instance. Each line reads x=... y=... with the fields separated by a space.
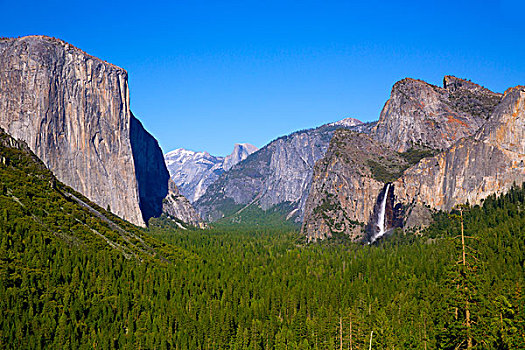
x=381 y=217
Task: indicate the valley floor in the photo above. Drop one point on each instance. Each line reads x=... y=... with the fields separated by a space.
x=262 y=288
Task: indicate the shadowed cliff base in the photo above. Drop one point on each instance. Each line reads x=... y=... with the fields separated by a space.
x=152 y=175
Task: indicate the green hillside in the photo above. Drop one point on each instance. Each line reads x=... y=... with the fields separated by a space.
x=73 y=276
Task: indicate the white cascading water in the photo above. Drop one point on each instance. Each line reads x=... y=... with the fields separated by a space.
x=381 y=216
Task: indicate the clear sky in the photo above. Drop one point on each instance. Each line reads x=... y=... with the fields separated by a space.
x=206 y=74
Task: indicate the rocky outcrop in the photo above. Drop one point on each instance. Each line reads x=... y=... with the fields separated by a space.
x=279 y=174
x=351 y=181
x=489 y=162
x=425 y=115
x=178 y=207
x=346 y=184
x=72 y=110
x=240 y=152
x=193 y=172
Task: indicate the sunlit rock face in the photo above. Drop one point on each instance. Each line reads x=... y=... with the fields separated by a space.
x=421 y=114
x=347 y=184
x=178 y=206
x=475 y=167
x=474 y=141
x=277 y=175
x=193 y=172
x=72 y=109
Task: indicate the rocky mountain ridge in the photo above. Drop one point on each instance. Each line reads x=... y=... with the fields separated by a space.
x=422 y=114
x=490 y=161
x=455 y=144
x=72 y=109
x=279 y=174
x=345 y=185
x=193 y=172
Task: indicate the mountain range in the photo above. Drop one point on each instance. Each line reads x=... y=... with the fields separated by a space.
x=433 y=147
x=193 y=171
x=277 y=175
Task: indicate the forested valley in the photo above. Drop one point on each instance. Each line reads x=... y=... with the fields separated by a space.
x=77 y=278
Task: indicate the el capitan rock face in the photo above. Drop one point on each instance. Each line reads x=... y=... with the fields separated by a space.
x=421 y=114
x=72 y=110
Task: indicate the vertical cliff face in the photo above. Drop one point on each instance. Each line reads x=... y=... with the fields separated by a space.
x=489 y=162
x=386 y=216
x=73 y=111
x=150 y=170
x=240 y=152
x=349 y=182
x=290 y=169
x=421 y=114
x=346 y=185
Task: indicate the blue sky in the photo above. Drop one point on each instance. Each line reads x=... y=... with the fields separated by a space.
x=206 y=74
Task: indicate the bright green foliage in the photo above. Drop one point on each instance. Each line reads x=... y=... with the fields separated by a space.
x=252 y=216
x=63 y=286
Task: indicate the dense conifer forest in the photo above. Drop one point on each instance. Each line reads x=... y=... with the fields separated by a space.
x=77 y=278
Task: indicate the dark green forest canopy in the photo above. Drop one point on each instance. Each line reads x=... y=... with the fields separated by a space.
x=64 y=286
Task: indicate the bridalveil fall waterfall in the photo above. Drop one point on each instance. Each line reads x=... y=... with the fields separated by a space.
x=381 y=226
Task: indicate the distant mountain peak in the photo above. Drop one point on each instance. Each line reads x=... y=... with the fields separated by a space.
x=194 y=171
x=240 y=152
x=245 y=145
x=347 y=122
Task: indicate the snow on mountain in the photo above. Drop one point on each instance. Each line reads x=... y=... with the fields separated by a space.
x=347 y=122
x=277 y=176
x=193 y=171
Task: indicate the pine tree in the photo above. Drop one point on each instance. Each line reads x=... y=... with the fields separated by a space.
x=462 y=332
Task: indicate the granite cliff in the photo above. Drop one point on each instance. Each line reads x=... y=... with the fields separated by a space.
x=277 y=175
x=176 y=206
x=432 y=148
x=346 y=184
x=72 y=109
x=419 y=114
x=240 y=152
x=490 y=161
